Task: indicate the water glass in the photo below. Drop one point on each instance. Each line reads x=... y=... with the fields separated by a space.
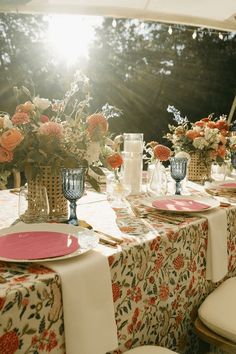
x=73 y=189
x=178 y=171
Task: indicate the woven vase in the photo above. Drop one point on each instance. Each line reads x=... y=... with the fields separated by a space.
x=58 y=206
x=199 y=169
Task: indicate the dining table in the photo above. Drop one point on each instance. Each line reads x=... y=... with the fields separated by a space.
x=158 y=268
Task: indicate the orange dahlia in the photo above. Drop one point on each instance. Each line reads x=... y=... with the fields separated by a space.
x=162 y=152
x=114 y=160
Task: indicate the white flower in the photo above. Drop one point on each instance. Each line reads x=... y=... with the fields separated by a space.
x=183 y=154
x=200 y=143
x=93 y=152
x=232 y=140
x=7 y=123
x=41 y=103
x=212 y=135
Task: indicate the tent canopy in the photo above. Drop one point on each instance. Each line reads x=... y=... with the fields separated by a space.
x=204 y=13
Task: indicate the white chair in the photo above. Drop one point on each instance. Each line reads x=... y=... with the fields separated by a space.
x=150 y=349
x=216 y=322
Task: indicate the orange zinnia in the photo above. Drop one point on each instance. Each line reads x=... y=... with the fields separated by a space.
x=222 y=125
x=192 y=134
x=114 y=160
x=162 y=152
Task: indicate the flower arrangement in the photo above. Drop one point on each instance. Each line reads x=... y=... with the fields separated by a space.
x=207 y=136
x=43 y=133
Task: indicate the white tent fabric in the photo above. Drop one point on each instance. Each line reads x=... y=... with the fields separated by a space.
x=204 y=13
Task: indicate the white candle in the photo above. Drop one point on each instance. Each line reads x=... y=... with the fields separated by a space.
x=133 y=173
x=133 y=146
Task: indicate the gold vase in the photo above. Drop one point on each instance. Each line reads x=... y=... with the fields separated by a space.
x=58 y=205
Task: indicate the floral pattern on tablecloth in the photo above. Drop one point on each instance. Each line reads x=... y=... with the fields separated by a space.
x=158 y=285
x=30 y=310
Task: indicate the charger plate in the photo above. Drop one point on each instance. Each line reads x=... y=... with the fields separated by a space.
x=44 y=242
x=184 y=204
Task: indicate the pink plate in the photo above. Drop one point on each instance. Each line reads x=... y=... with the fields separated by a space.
x=179 y=204
x=228 y=185
x=27 y=245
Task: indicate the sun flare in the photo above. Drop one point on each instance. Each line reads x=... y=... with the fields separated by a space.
x=70 y=36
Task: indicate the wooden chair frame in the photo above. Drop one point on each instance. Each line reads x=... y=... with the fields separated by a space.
x=210 y=337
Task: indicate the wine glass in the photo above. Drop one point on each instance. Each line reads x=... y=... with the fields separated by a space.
x=73 y=189
x=178 y=170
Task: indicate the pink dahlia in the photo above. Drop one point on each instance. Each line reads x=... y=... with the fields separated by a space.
x=20 y=118
x=51 y=128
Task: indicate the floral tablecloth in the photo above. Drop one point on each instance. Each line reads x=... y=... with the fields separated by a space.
x=158 y=282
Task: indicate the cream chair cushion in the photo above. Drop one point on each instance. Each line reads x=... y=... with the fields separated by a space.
x=147 y=349
x=218 y=311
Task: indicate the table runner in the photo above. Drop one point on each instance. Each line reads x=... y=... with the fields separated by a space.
x=217 y=257
x=87 y=303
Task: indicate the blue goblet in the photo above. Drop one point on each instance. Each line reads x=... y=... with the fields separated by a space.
x=178 y=170
x=73 y=189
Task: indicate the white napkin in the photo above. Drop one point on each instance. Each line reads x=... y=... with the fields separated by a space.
x=217 y=257
x=87 y=303
x=87 y=296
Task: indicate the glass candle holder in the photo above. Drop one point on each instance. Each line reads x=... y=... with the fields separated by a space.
x=133 y=142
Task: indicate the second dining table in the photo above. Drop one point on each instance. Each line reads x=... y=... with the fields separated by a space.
x=158 y=279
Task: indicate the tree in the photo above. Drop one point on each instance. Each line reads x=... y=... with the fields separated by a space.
x=26 y=59
x=140 y=68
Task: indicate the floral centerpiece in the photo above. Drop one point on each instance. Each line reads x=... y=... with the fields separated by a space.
x=207 y=136
x=31 y=138
x=54 y=134
x=206 y=140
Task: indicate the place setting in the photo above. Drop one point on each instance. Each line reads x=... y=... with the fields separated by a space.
x=45 y=242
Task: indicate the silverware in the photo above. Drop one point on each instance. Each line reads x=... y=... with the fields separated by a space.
x=171 y=219
x=109 y=237
x=107 y=242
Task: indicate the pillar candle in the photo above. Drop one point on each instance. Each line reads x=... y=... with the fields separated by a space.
x=132 y=169
x=133 y=146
